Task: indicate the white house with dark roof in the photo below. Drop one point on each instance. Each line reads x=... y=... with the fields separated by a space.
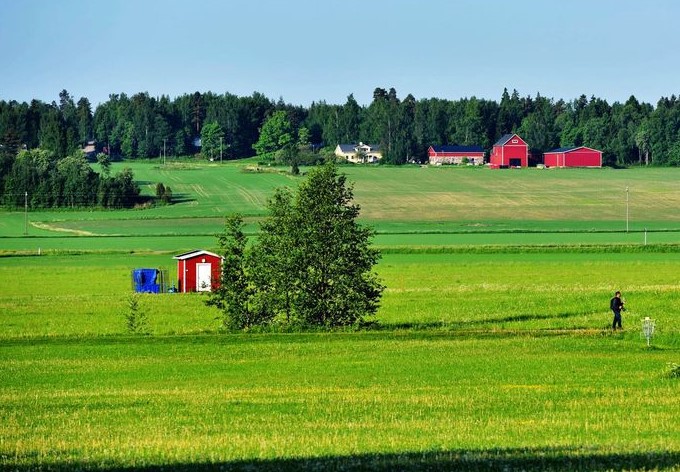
x=359 y=153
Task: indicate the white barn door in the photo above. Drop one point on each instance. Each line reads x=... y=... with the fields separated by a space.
x=203 y=277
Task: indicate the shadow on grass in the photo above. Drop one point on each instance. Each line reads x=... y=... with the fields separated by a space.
x=477 y=323
x=543 y=459
x=182 y=198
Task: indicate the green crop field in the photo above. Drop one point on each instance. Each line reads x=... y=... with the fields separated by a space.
x=410 y=206
x=491 y=350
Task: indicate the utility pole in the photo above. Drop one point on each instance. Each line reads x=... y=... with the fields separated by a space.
x=164 y=151
x=627 y=212
x=26 y=214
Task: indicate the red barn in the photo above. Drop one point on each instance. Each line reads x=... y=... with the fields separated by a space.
x=510 y=151
x=198 y=271
x=580 y=156
x=455 y=154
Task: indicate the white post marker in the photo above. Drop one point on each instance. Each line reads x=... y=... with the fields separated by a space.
x=648 y=327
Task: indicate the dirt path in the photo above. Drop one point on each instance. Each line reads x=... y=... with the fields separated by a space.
x=51 y=227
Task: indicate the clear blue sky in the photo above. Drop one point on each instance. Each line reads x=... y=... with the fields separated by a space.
x=312 y=50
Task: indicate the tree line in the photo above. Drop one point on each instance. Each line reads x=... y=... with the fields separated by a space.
x=142 y=126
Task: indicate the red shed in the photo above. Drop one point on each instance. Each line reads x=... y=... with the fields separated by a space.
x=510 y=151
x=580 y=156
x=455 y=154
x=198 y=271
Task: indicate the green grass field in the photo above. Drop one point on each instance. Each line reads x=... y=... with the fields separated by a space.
x=339 y=401
x=409 y=199
x=492 y=349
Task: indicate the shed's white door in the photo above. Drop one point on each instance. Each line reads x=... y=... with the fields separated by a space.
x=203 y=277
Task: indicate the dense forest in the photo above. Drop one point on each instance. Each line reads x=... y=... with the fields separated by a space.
x=141 y=126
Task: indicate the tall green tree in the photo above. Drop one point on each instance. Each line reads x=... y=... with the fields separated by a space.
x=324 y=253
x=84 y=119
x=234 y=295
x=211 y=139
x=276 y=134
x=311 y=266
x=538 y=128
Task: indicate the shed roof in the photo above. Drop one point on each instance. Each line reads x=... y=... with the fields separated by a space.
x=457 y=149
x=195 y=253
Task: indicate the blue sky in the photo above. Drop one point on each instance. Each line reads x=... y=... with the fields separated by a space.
x=312 y=50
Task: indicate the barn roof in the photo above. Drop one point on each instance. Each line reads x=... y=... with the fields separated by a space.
x=504 y=139
x=195 y=253
x=457 y=149
x=569 y=149
x=562 y=149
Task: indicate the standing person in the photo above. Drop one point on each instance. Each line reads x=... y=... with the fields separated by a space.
x=616 y=305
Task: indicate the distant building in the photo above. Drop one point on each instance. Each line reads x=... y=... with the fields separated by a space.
x=198 y=271
x=90 y=149
x=359 y=153
x=575 y=156
x=509 y=151
x=438 y=155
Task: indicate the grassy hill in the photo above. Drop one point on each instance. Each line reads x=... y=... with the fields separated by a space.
x=407 y=206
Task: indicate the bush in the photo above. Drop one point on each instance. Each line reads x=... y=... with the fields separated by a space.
x=163 y=193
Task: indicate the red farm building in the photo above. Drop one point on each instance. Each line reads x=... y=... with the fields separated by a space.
x=580 y=156
x=510 y=151
x=198 y=271
x=439 y=155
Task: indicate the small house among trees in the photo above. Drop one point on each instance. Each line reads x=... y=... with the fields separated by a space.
x=439 y=155
x=509 y=151
x=359 y=153
x=574 y=156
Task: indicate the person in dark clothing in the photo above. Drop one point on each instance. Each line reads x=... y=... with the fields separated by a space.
x=616 y=305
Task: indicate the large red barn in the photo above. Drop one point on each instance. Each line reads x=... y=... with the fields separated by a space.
x=510 y=151
x=579 y=156
x=198 y=271
x=455 y=154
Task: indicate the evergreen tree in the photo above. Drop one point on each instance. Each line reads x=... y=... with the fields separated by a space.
x=233 y=297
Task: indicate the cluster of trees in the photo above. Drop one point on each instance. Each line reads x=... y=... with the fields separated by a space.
x=38 y=178
x=142 y=126
x=310 y=266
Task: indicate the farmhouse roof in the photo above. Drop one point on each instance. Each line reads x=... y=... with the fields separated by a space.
x=457 y=149
x=504 y=139
x=348 y=148
x=194 y=253
x=352 y=148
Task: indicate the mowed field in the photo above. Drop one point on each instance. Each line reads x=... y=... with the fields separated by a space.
x=409 y=206
x=492 y=349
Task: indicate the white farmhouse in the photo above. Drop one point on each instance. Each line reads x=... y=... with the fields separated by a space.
x=359 y=153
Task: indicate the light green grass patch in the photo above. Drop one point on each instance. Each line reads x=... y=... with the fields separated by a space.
x=138 y=401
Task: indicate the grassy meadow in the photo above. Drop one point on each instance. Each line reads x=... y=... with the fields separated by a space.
x=491 y=350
